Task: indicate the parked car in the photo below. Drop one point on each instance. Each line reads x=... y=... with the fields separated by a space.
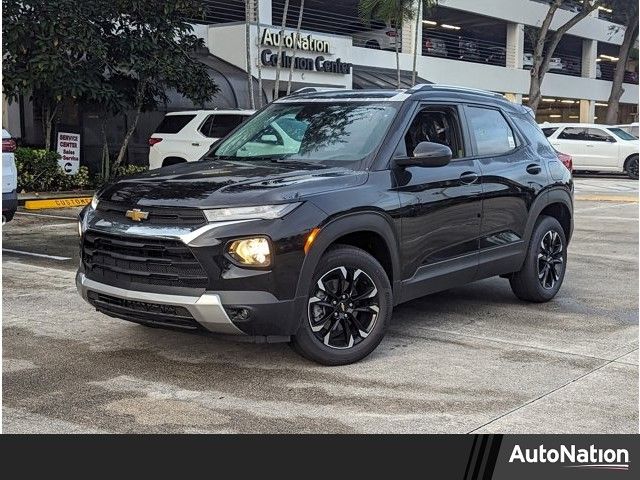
x=631 y=128
x=379 y=197
x=187 y=136
x=468 y=50
x=497 y=55
x=380 y=36
x=9 y=178
x=598 y=148
x=554 y=64
x=435 y=47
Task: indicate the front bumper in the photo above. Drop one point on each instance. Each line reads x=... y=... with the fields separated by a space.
x=206 y=310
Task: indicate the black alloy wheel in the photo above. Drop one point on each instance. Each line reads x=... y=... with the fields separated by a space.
x=550 y=260
x=344 y=307
x=632 y=168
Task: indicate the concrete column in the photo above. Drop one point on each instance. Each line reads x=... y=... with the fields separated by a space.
x=587 y=111
x=409 y=32
x=589 y=55
x=266 y=11
x=515 y=45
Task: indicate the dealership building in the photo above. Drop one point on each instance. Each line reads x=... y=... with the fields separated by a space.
x=480 y=44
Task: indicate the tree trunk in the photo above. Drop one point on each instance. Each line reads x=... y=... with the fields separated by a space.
x=397 y=58
x=280 y=44
x=630 y=34
x=415 y=42
x=247 y=41
x=104 y=167
x=257 y=7
x=293 y=57
x=48 y=118
x=125 y=142
x=541 y=60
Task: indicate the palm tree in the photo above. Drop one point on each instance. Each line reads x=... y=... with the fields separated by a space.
x=247 y=41
x=279 y=63
x=422 y=5
x=394 y=12
x=293 y=57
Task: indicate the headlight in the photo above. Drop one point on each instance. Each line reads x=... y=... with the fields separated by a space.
x=94 y=201
x=253 y=252
x=249 y=213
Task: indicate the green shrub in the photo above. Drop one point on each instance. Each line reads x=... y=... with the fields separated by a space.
x=39 y=171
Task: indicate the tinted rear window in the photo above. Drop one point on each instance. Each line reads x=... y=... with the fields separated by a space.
x=218 y=126
x=492 y=132
x=549 y=131
x=174 y=123
x=532 y=132
x=573 y=133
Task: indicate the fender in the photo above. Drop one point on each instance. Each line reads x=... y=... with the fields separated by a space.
x=344 y=224
x=551 y=196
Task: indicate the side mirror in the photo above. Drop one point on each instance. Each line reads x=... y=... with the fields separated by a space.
x=269 y=139
x=427 y=154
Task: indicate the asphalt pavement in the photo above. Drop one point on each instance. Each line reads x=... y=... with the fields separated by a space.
x=472 y=359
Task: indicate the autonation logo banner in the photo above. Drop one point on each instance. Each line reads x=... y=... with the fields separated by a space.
x=566 y=456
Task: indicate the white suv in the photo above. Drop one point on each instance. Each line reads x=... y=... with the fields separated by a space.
x=380 y=36
x=9 y=177
x=188 y=136
x=601 y=148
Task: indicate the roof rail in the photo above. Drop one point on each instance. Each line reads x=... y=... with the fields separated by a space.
x=303 y=90
x=456 y=88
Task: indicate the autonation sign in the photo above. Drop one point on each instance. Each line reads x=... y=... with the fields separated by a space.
x=304 y=43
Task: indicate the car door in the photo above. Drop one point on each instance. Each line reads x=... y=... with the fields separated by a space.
x=603 y=150
x=441 y=205
x=572 y=141
x=511 y=180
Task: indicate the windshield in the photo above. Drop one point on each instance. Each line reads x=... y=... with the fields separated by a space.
x=316 y=132
x=618 y=132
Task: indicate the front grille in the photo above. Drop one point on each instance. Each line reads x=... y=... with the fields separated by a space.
x=119 y=260
x=169 y=216
x=137 y=311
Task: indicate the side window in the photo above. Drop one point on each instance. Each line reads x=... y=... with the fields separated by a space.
x=174 y=123
x=218 y=126
x=492 y=133
x=532 y=132
x=573 y=133
x=437 y=125
x=549 y=131
x=597 y=135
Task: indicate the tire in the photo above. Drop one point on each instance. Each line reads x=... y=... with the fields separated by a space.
x=543 y=270
x=632 y=167
x=345 y=331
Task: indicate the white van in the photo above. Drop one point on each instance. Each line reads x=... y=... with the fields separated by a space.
x=188 y=136
x=9 y=177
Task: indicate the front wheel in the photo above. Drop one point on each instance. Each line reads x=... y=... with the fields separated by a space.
x=543 y=270
x=632 y=167
x=348 y=308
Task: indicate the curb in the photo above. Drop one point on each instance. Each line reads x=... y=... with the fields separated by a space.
x=607 y=198
x=45 y=200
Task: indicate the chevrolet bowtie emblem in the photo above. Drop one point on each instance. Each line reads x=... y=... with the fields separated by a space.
x=136 y=215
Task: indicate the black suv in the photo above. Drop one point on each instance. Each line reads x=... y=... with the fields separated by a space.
x=310 y=221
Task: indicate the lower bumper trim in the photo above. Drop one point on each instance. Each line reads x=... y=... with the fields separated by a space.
x=206 y=310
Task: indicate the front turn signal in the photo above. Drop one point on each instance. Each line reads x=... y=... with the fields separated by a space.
x=310 y=239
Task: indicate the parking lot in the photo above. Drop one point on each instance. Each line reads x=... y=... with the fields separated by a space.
x=472 y=359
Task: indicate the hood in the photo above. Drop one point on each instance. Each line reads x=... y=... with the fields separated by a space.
x=222 y=183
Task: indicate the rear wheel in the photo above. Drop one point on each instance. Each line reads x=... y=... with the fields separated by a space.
x=632 y=167
x=348 y=308
x=543 y=270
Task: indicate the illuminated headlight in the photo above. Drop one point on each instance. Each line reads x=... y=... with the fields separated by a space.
x=253 y=252
x=265 y=212
x=94 y=201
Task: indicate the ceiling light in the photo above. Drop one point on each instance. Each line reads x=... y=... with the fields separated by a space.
x=610 y=57
x=601 y=104
x=549 y=100
x=429 y=22
x=574 y=116
x=555 y=116
x=450 y=27
x=566 y=101
x=605 y=9
x=598 y=59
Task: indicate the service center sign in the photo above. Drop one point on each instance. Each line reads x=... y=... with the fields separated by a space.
x=69 y=151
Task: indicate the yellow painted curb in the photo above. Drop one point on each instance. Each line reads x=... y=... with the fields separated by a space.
x=608 y=198
x=57 y=203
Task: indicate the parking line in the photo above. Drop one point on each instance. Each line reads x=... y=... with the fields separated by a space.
x=41 y=255
x=44 y=215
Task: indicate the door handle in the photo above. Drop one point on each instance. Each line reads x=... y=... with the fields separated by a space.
x=468 y=178
x=534 y=168
x=195 y=144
